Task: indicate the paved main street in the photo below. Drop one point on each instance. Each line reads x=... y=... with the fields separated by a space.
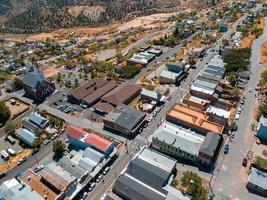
x=232 y=177
x=141 y=140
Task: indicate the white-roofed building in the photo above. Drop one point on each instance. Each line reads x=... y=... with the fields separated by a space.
x=218 y=115
x=177 y=141
x=17 y=190
x=26 y=136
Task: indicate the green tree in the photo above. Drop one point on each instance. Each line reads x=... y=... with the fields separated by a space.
x=59 y=77
x=194 y=185
x=10 y=127
x=36 y=144
x=18 y=83
x=43 y=113
x=58 y=147
x=5 y=113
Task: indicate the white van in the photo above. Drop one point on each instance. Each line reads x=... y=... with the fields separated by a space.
x=4 y=155
x=11 y=152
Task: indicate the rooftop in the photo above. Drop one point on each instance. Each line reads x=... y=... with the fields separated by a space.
x=169 y=74
x=218 y=111
x=124 y=93
x=125 y=116
x=37 y=119
x=210 y=144
x=75 y=132
x=98 y=142
x=176 y=136
x=15 y=190
x=39 y=185
x=195 y=118
x=150 y=93
x=258 y=178
x=33 y=78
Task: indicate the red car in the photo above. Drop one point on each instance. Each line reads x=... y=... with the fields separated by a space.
x=245 y=162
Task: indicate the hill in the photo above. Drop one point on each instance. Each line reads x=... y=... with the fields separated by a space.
x=31 y=16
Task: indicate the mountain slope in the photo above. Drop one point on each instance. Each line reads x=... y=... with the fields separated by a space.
x=29 y=16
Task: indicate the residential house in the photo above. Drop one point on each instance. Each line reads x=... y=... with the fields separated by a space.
x=257 y=182
x=38 y=120
x=36 y=86
x=177 y=141
x=124 y=120
x=26 y=136
x=194 y=119
x=261 y=130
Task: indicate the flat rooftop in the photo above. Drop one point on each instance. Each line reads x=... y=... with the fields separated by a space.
x=35 y=182
x=179 y=137
x=196 y=118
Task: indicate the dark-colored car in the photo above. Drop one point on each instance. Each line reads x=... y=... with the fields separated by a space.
x=3 y=174
x=34 y=151
x=234 y=127
x=226 y=149
x=244 y=162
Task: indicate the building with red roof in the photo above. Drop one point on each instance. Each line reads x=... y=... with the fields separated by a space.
x=99 y=143
x=80 y=139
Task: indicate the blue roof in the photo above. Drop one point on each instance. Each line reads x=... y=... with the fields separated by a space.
x=37 y=119
x=33 y=78
x=26 y=136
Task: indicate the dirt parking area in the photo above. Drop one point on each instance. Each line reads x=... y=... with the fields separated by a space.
x=16 y=107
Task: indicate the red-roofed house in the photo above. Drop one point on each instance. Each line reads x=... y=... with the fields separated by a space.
x=99 y=143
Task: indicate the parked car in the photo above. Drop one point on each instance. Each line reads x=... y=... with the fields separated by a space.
x=237 y=116
x=34 y=151
x=22 y=160
x=235 y=127
x=242 y=101
x=106 y=170
x=239 y=110
x=2 y=174
x=54 y=136
x=83 y=196
x=10 y=139
x=244 y=162
x=11 y=152
x=46 y=142
x=250 y=89
x=226 y=149
x=98 y=179
x=92 y=186
x=38 y=168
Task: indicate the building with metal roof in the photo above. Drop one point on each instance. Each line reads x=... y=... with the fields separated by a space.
x=123 y=94
x=149 y=95
x=80 y=139
x=26 y=136
x=142 y=58
x=177 y=141
x=124 y=120
x=38 y=120
x=29 y=125
x=257 y=182
x=147 y=177
x=262 y=128
x=18 y=190
x=209 y=148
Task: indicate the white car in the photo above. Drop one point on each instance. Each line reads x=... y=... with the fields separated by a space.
x=250 y=89
x=239 y=110
x=237 y=116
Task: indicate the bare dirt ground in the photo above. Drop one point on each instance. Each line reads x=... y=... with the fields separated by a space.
x=145 y=21
x=13 y=160
x=16 y=109
x=247 y=41
x=50 y=72
x=263 y=52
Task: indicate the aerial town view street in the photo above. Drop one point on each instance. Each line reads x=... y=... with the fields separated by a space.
x=133 y=100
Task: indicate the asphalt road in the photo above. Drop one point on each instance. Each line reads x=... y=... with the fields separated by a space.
x=142 y=139
x=44 y=151
x=232 y=177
